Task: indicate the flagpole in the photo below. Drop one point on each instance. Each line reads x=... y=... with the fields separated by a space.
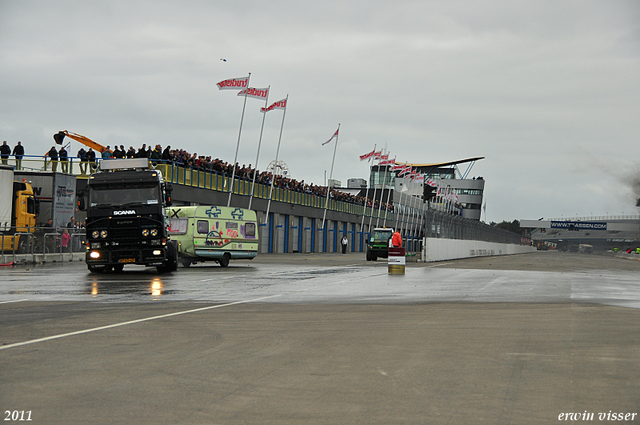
x=326 y=201
x=381 y=189
x=404 y=212
x=255 y=168
x=401 y=215
x=415 y=216
x=235 y=159
x=266 y=220
x=364 y=211
x=386 y=210
x=410 y=213
x=373 y=202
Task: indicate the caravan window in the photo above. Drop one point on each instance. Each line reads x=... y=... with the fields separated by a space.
x=178 y=226
x=203 y=227
x=250 y=229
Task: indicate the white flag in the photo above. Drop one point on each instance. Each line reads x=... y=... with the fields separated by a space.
x=255 y=93
x=332 y=137
x=281 y=104
x=234 y=83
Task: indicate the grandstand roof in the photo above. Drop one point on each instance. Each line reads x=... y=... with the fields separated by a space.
x=445 y=164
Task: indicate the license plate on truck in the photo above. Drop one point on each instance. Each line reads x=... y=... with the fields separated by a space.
x=127 y=260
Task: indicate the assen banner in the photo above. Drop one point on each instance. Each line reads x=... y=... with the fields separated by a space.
x=580 y=225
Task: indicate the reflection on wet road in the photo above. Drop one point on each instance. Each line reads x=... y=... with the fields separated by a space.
x=359 y=283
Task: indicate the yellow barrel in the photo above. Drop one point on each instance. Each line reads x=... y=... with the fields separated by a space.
x=396 y=260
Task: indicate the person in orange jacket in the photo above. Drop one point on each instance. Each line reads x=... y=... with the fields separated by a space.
x=396 y=239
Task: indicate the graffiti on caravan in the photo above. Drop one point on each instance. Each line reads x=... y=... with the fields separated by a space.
x=579 y=225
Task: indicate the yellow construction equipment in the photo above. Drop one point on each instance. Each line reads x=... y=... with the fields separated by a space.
x=59 y=137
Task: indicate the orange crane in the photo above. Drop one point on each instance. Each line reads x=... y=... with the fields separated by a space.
x=59 y=137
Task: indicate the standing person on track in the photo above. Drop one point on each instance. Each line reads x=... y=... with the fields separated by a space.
x=396 y=239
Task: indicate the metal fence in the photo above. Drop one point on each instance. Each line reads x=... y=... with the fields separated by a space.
x=439 y=224
x=42 y=241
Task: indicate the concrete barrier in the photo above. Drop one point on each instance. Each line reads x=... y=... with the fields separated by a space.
x=451 y=249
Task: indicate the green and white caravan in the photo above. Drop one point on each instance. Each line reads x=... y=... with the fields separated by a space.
x=212 y=233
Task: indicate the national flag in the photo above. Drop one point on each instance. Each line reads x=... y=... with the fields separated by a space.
x=234 y=83
x=384 y=157
x=405 y=171
x=332 y=137
x=398 y=167
x=261 y=94
x=377 y=155
x=386 y=162
x=419 y=178
x=281 y=104
x=367 y=155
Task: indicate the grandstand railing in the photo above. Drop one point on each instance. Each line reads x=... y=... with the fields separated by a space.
x=214 y=181
x=206 y=179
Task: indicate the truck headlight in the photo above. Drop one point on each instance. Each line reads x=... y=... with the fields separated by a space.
x=95 y=234
x=94 y=254
x=103 y=234
x=154 y=232
x=145 y=232
x=157 y=252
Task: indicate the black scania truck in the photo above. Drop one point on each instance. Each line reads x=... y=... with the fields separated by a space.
x=126 y=223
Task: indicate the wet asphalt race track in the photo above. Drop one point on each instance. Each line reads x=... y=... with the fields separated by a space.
x=323 y=339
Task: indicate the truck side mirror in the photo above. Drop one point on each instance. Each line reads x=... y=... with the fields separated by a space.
x=168 y=191
x=81 y=204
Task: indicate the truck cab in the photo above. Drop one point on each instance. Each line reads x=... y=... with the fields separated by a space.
x=126 y=223
x=18 y=211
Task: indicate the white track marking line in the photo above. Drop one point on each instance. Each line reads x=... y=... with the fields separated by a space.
x=13 y=301
x=131 y=322
x=146 y=319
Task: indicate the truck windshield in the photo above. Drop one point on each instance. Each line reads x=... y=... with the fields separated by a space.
x=380 y=236
x=125 y=195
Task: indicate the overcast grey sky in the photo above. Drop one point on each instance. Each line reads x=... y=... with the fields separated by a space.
x=547 y=91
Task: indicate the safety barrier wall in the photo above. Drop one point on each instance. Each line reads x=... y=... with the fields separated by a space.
x=452 y=249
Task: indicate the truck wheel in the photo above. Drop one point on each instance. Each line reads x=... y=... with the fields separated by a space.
x=163 y=269
x=173 y=256
x=224 y=261
x=368 y=256
x=96 y=269
x=172 y=259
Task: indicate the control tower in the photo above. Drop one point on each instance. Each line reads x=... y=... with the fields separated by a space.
x=467 y=191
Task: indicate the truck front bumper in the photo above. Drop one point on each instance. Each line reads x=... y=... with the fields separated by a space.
x=148 y=256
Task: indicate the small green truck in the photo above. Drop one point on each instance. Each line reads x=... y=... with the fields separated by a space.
x=378 y=243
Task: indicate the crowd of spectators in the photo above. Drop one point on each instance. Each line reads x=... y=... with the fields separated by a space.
x=182 y=158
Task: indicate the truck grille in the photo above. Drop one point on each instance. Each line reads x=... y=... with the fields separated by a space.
x=127 y=232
